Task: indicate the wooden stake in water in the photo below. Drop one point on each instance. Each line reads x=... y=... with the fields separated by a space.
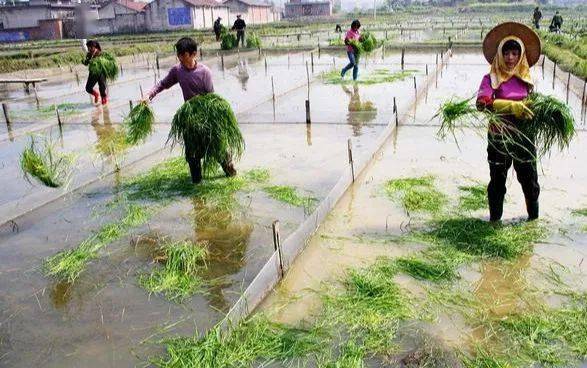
x=395 y=112
x=553 y=74
x=403 y=54
x=312 y=61
x=415 y=87
x=141 y=89
x=273 y=89
x=436 y=59
x=426 y=69
x=156 y=60
x=58 y=116
x=568 y=86
x=333 y=62
x=308 y=118
x=277 y=246
x=350 y=153
x=6 y=115
x=130 y=104
x=308 y=79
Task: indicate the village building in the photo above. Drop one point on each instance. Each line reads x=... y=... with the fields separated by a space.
x=300 y=9
x=253 y=11
x=121 y=16
x=33 y=21
x=171 y=15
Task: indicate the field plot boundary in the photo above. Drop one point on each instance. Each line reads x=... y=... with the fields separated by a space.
x=281 y=259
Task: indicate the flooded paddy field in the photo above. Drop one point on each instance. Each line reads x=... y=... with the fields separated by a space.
x=129 y=204
x=106 y=317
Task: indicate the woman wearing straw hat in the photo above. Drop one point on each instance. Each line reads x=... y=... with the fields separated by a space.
x=511 y=49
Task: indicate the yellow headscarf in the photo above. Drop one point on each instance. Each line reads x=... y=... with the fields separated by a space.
x=499 y=72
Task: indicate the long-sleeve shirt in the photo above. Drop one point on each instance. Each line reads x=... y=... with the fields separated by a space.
x=351 y=34
x=193 y=82
x=239 y=25
x=89 y=57
x=514 y=89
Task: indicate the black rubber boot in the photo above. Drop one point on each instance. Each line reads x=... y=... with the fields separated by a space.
x=195 y=170
x=229 y=169
x=533 y=210
x=495 y=210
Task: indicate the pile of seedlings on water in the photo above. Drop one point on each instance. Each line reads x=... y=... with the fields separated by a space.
x=375 y=77
x=416 y=194
x=473 y=197
x=180 y=276
x=207 y=127
x=289 y=195
x=139 y=123
x=67 y=265
x=104 y=65
x=357 y=105
x=160 y=185
x=112 y=144
x=42 y=162
x=476 y=237
x=256 y=340
x=552 y=125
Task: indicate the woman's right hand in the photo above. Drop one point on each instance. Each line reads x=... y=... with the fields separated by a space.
x=516 y=108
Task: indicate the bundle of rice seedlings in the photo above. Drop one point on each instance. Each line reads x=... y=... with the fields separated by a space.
x=253 y=41
x=208 y=123
x=43 y=163
x=227 y=41
x=105 y=64
x=139 y=123
x=366 y=44
x=553 y=123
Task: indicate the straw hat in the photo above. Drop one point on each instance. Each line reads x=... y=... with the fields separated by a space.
x=522 y=31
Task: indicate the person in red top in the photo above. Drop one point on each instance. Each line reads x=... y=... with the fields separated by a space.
x=511 y=48
x=352 y=34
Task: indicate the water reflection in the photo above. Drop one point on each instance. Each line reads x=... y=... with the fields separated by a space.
x=227 y=232
x=243 y=73
x=359 y=112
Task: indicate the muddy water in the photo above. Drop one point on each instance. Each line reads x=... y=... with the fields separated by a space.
x=103 y=319
x=349 y=236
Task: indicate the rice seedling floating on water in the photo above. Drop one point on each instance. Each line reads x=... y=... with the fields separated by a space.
x=375 y=77
x=208 y=124
x=180 y=277
x=139 y=123
x=289 y=195
x=473 y=197
x=416 y=194
x=45 y=164
x=105 y=64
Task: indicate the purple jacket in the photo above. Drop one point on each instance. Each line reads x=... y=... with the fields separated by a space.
x=193 y=82
x=514 y=89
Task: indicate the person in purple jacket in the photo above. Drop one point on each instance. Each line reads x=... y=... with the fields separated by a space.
x=194 y=79
x=511 y=48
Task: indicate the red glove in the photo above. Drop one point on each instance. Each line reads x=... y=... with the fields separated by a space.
x=484 y=102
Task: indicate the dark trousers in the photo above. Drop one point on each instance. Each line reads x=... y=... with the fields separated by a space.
x=101 y=80
x=501 y=154
x=217 y=33
x=194 y=156
x=240 y=36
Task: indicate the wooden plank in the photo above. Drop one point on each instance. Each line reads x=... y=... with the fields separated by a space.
x=33 y=80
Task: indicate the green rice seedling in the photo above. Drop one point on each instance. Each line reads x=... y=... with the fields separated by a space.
x=67 y=265
x=336 y=42
x=370 y=308
x=139 y=123
x=106 y=65
x=112 y=144
x=473 y=197
x=425 y=269
x=180 y=277
x=289 y=195
x=481 y=238
x=228 y=41
x=208 y=124
x=258 y=175
x=580 y=212
x=352 y=355
x=368 y=42
x=253 y=41
x=256 y=340
x=547 y=336
x=44 y=163
x=416 y=194
x=552 y=125
x=484 y=359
